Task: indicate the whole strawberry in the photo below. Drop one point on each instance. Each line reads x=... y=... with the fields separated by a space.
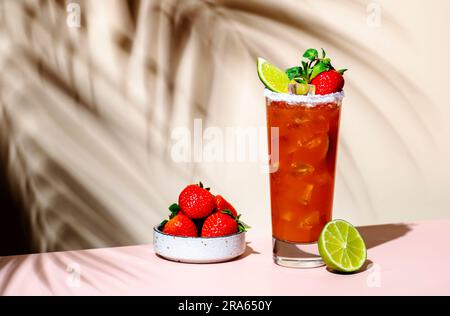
x=180 y=225
x=328 y=82
x=222 y=223
x=196 y=202
x=222 y=204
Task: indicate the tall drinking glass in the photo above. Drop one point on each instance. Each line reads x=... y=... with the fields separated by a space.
x=302 y=172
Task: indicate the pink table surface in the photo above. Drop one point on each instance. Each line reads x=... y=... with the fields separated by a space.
x=403 y=259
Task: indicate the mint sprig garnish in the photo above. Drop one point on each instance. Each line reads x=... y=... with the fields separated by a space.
x=311 y=67
x=294 y=73
x=311 y=54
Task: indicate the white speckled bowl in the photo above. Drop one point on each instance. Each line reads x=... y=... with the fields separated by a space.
x=198 y=249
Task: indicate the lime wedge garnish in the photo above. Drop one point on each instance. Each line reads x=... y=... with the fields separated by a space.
x=342 y=247
x=273 y=77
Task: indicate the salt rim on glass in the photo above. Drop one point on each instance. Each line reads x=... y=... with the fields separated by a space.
x=305 y=100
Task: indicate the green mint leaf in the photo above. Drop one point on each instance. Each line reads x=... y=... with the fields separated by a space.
x=293 y=72
x=305 y=65
x=311 y=54
x=300 y=80
x=302 y=72
x=305 y=68
x=323 y=53
x=319 y=68
x=341 y=71
x=326 y=61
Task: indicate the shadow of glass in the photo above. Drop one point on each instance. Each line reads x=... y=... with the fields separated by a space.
x=374 y=236
x=379 y=234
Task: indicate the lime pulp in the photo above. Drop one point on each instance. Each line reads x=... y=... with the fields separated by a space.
x=273 y=78
x=342 y=247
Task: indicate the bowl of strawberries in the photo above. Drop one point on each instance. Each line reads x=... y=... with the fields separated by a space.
x=201 y=228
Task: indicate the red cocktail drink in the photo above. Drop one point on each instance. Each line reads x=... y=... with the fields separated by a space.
x=302 y=184
x=303 y=110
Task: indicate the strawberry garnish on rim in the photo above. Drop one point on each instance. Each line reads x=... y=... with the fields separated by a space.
x=329 y=81
x=319 y=72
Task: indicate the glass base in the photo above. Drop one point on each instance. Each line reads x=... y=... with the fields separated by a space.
x=293 y=255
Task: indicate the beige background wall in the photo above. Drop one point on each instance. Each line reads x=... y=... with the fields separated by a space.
x=86 y=114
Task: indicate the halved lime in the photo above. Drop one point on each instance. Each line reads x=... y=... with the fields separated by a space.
x=273 y=78
x=342 y=247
